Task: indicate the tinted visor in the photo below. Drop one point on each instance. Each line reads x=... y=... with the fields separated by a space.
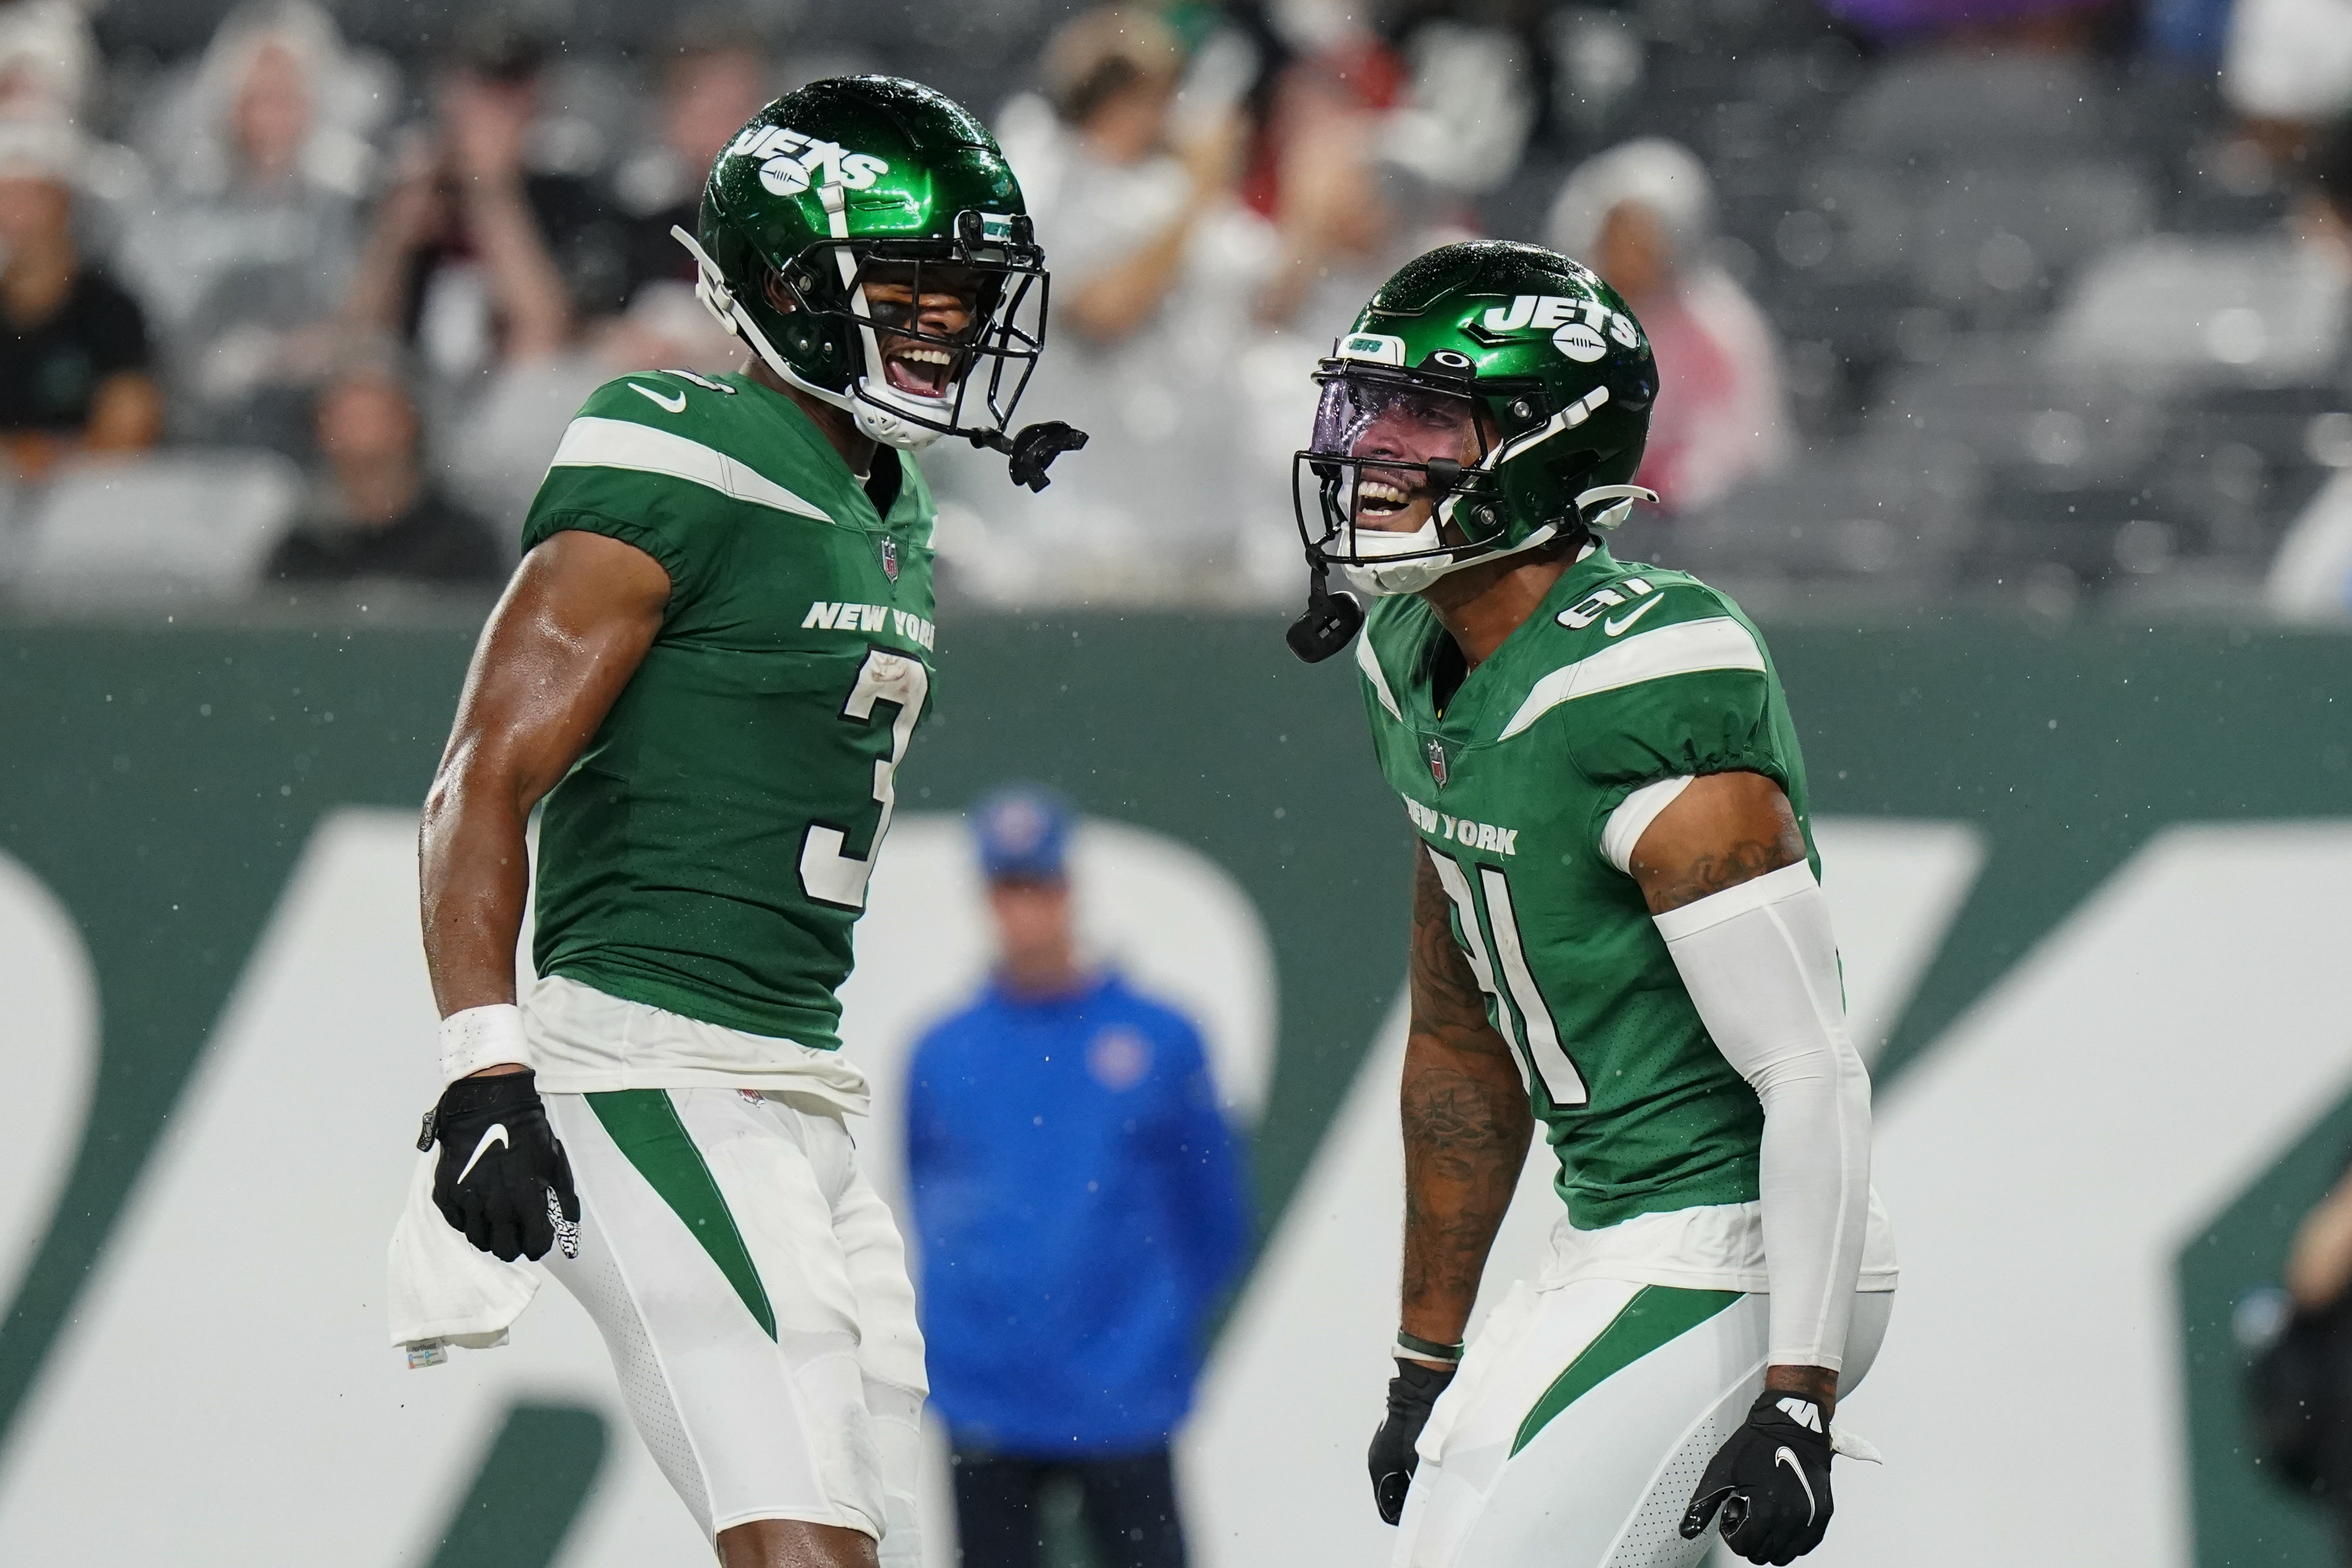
x=1387 y=451
x=1367 y=416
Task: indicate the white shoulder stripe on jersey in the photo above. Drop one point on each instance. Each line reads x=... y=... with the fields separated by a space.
x=1369 y=662
x=590 y=443
x=1716 y=643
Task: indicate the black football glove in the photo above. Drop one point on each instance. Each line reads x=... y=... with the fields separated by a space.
x=1411 y=1394
x=502 y=1177
x=1772 y=1480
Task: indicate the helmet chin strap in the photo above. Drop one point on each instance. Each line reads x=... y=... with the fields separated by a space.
x=1415 y=576
x=875 y=419
x=876 y=424
x=1614 y=516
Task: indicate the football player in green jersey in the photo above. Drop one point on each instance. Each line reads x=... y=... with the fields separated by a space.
x=708 y=666
x=1618 y=936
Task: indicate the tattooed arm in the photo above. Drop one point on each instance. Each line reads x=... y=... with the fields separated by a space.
x=1466 y=1123
x=1725 y=829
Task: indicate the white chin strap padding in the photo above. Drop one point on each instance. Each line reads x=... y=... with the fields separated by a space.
x=1413 y=576
x=1368 y=575
x=880 y=425
x=1404 y=577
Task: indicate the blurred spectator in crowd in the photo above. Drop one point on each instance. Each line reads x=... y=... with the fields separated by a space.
x=1642 y=216
x=2287 y=70
x=475 y=255
x=1153 y=261
x=48 y=61
x=74 y=361
x=1123 y=206
x=1470 y=97
x=506 y=278
x=2310 y=576
x=1376 y=144
x=375 y=513
x=244 y=257
x=499 y=439
x=715 y=76
x=1349 y=214
x=1079 y=1211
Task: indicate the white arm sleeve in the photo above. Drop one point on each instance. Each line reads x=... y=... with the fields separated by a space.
x=1762 y=969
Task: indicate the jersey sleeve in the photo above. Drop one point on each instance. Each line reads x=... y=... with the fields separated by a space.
x=631 y=468
x=1696 y=698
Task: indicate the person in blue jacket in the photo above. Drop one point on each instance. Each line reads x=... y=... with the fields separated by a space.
x=1079 y=1211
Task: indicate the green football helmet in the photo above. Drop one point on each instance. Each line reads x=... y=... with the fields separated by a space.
x=1529 y=358
x=862 y=180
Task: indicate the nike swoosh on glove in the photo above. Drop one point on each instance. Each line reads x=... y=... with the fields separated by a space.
x=502 y=1178
x=1413 y=1394
x=1771 y=1480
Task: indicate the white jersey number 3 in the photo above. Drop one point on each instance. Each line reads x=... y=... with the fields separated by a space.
x=827 y=875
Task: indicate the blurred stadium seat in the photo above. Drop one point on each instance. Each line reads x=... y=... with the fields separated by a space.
x=186 y=525
x=2252 y=311
x=1893 y=515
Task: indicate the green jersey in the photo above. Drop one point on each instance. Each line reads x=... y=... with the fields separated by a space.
x=709 y=852
x=1626 y=676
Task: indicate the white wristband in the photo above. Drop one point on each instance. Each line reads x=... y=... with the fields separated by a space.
x=482 y=1037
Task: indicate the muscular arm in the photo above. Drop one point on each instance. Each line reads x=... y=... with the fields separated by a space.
x=1467 y=1124
x=569 y=633
x=1723 y=830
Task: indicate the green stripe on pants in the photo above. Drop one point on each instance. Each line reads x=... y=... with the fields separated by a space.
x=645 y=1124
x=1656 y=1313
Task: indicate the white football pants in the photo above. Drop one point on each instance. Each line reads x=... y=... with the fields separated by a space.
x=754 y=1292
x=1583 y=1418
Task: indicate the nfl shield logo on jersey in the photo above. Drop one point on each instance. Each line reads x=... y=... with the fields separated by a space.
x=1437 y=763
x=890 y=559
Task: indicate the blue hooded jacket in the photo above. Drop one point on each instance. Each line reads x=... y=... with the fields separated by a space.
x=1079 y=1208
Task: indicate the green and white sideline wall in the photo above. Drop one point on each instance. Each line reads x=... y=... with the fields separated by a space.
x=2086 y=883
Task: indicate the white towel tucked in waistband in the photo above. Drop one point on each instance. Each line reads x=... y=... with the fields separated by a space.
x=442 y=1291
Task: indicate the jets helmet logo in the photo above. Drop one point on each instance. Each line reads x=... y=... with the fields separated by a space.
x=890 y=559
x=790 y=162
x=1437 y=763
x=1575 y=325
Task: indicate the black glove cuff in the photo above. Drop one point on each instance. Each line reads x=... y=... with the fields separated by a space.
x=1424 y=1380
x=1770 y=1414
x=499 y=1092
